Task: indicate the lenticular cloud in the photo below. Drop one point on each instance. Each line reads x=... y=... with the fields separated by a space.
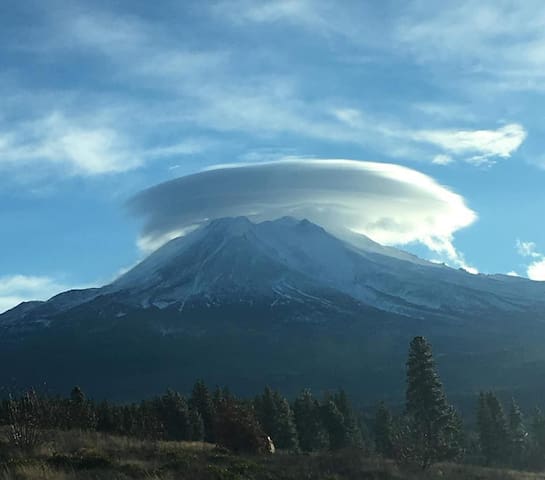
x=390 y=203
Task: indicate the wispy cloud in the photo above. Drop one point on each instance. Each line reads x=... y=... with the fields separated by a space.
x=499 y=39
x=536 y=269
x=482 y=146
x=80 y=149
x=195 y=90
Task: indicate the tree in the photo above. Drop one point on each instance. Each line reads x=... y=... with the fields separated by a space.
x=432 y=422
x=493 y=429
x=197 y=426
x=237 y=428
x=333 y=422
x=383 y=431
x=310 y=429
x=353 y=430
x=518 y=435
x=537 y=445
x=81 y=412
x=276 y=417
x=201 y=401
x=174 y=416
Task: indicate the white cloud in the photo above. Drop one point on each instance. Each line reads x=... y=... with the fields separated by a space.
x=57 y=140
x=442 y=159
x=188 y=147
x=499 y=39
x=481 y=145
x=390 y=203
x=15 y=289
x=527 y=249
x=512 y=273
x=242 y=11
x=536 y=269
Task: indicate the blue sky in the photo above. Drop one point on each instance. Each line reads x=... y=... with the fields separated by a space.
x=100 y=100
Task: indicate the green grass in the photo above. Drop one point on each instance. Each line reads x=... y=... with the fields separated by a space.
x=90 y=456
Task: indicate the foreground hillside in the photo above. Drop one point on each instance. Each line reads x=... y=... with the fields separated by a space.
x=75 y=455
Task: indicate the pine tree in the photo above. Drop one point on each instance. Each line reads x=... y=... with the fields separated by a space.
x=353 y=430
x=197 y=426
x=493 y=429
x=238 y=429
x=310 y=429
x=201 y=401
x=434 y=423
x=174 y=416
x=537 y=446
x=383 y=431
x=276 y=417
x=333 y=422
x=485 y=429
x=518 y=435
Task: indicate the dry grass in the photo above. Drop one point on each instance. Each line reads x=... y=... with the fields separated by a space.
x=92 y=456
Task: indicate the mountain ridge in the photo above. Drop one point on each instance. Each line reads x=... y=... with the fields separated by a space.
x=283 y=303
x=279 y=258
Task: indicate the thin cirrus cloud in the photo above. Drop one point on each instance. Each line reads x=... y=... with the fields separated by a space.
x=207 y=94
x=390 y=203
x=78 y=150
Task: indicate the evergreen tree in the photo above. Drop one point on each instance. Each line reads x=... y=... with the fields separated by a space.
x=311 y=432
x=485 y=429
x=433 y=422
x=201 y=401
x=518 y=435
x=276 y=417
x=537 y=446
x=81 y=414
x=174 y=416
x=493 y=429
x=197 y=426
x=237 y=428
x=383 y=431
x=333 y=422
x=353 y=430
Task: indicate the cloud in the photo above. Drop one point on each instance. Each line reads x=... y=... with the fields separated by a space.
x=498 y=41
x=442 y=159
x=527 y=249
x=57 y=140
x=482 y=146
x=536 y=269
x=173 y=87
x=390 y=203
x=244 y=11
x=15 y=289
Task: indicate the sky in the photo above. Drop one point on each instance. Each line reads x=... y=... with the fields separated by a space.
x=439 y=105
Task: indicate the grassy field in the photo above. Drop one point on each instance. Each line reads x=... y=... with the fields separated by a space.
x=76 y=455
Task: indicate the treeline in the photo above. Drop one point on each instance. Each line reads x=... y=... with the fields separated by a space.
x=428 y=430
x=215 y=417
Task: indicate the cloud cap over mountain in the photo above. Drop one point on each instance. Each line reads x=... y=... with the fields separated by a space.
x=390 y=203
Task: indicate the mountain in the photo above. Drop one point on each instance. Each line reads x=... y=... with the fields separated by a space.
x=280 y=302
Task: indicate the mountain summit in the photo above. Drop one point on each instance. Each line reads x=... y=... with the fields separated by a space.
x=235 y=291
x=232 y=260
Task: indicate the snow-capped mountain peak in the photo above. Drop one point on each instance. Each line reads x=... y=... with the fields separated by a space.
x=293 y=260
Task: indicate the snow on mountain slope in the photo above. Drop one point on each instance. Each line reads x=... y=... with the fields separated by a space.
x=290 y=260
